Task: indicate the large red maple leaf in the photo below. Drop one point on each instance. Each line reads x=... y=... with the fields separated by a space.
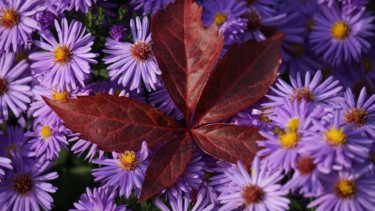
x=205 y=88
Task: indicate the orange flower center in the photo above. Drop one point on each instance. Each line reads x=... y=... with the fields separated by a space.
x=9 y=19
x=62 y=55
x=252 y=194
x=141 y=51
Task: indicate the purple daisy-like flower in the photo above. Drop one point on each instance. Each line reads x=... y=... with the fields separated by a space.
x=15 y=92
x=124 y=172
x=65 y=64
x=160 y=98
x=132 y=63
x=47 y=140
x=336 y=145
x=337 y=37
x=117 y=32
x=312 y=90
x=5 y=163
x=27 y=188
x=283 y=142
x=98 y=199
x=81 y=5
x=347 y=191
x=257 y=190
x=44 y=19
x=15 y=143
x=360 y=111
x=16 y=24
x=154 y=6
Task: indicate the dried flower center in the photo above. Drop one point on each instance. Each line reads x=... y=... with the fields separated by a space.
x=335 y=137
x=310 y=24
x=46 y=132
x=306 y=166
x=62 y=54
x=289 y=140
x=357 y=116
x=293 y=125
x=367 y=64
x=141 y=51
x=10 y=19
x=253 y=21
x=23 y=184
x=60 y=95
x=345 y=188
x=340 y=30
x=265 y=113
x=3 y=86
x=220 y=18
x=298 y=49
x=208 y=175
x=302 y=93
x=252 y=194
x=128 y=160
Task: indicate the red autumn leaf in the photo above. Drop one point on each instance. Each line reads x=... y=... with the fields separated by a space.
x=228 y=142
x=240 y=79
x=186 y=52
x=167 y=165
x=115 y=123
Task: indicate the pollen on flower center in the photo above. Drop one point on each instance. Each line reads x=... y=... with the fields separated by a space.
x=340 y=30
x=10 y=19
x=252 y=194
x=60 y=95
x=3 y=86
x=264 y=115
x=356 y=116
x=46 y=132
x=289 y=139
x=293 y=125
x=220 y=18
x=128 y=160
x=62 y=54
x=253 y=21
x=23 y=184
x=345 y=188
x=306 y=166
x=141 y=51
x=335 y=137
x=302 y=93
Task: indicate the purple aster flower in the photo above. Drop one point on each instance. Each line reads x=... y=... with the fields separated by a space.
x=81 y=5
x=132 y=63
x=16 y=24
x=15 y=92
x=47 y=140
x=161 y=99
x=339 y=37
x=154 y=6
x=44 y=19
x=117 y=32
x=360 y=111
x=27 y=188
x=227 y=16
x=98 y=199
x=281 y=146
x=64 y=64
x=347 y=191
x=15 y=143
x=312 y=90
x=5 y=163
x=124 y=171
x=81 y=147
x=336 y=145
x=258 y=190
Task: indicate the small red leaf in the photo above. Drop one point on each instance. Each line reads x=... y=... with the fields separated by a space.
x=241 y=78
x=186 y=52
x=228 y=142
x=167 y=165
x=115 y=123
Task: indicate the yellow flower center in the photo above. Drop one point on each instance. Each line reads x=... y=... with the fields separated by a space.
x=9 y=19
x=356 y=116
x=46 y=132
x=340 y=30
x=335 y=137
x=293 y=125
x=345 y=188
x=220 y=18
x=128 y=160
x=289 y=140
x=62 y=54
x=60 y=95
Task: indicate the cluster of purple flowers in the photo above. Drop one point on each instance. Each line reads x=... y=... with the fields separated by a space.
x=319 y=129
